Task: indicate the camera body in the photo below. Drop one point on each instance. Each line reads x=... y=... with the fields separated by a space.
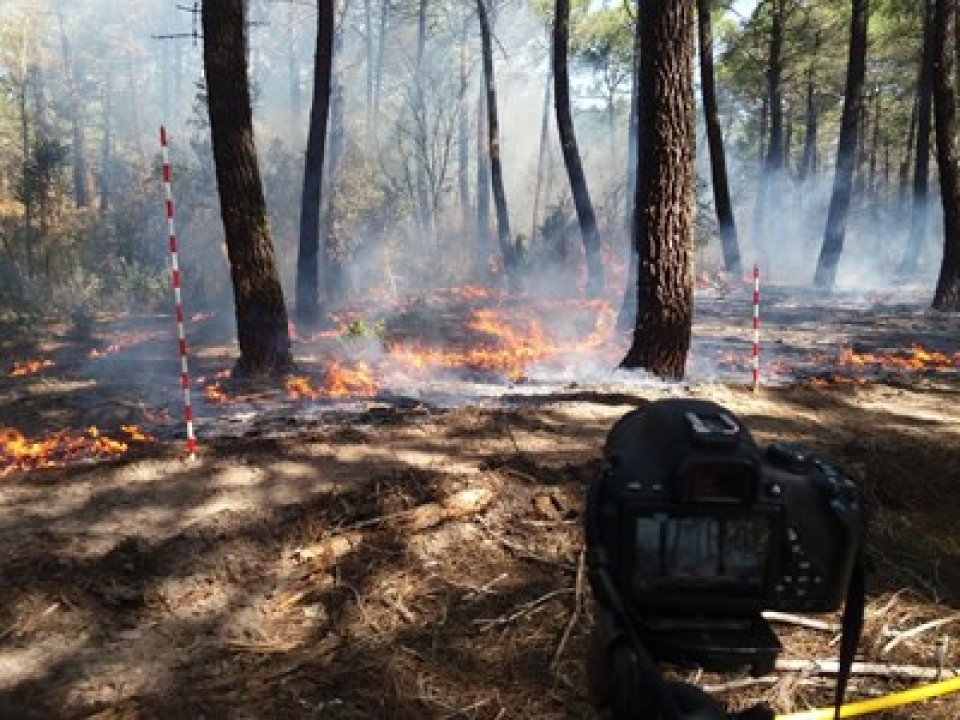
x=705 y=523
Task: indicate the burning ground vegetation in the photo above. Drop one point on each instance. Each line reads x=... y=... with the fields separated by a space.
x=395 y=530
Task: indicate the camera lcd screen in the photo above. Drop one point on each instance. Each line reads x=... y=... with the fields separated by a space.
x=701 y=550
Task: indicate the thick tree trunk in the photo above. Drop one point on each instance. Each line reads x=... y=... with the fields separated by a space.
x=496 y=168
x=262 y=331
x=308 y=256
x=571 y=153
x=664 y=219
x=947 y=295
x=718 y=161
x=833 y=236
x=921 y=170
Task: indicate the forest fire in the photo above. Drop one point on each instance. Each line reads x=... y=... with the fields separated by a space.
x=20 y=454
x=122 y=342
x=917 y=358
x=339 y=381
x=29 y=367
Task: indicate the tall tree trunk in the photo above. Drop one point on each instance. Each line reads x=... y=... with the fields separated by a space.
x=775 y=90
x=262 y=332
x=773 y=161
x=808 y=158
x=483 y=247
x=496 y=168
x=921 y=158
x=571 y=153
x=463 y=131
x=904 y=174
x=335 y=251
x=80 y=190
x=627 y=317
x=541 y=155
x=106 y=143
x=378 y=80
x=423 y=193
x=947 y=295
x=370 y=69
x=308 y=256
x=872 y=176
x=664 y=218
x=718 y=161
x=846 y=148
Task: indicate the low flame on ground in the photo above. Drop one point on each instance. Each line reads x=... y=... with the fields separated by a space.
x=122 y=342
x=20 y=454
x=29 y=367
x=916 y=358
x=339 y=381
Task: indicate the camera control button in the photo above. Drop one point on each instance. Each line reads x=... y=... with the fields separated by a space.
x=792 y=534
x=774 y=489
x=817 y=579
x=804 y=564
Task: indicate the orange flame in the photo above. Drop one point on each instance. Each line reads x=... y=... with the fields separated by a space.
x=339 y=381
x=914 y=359
x=214 y=393
x=122 y=342
x=30 y=367
x=18 y=454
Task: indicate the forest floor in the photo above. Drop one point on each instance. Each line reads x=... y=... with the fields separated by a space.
x=419 y=554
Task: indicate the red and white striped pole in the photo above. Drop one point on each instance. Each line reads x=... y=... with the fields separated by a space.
x=755 y=360
x=175 y=277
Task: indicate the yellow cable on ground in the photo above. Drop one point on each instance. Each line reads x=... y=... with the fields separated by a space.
x=862 y=707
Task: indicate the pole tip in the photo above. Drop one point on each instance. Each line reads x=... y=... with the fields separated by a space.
x=163 y=135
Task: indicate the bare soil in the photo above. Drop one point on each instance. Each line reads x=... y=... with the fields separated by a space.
x=398 y=558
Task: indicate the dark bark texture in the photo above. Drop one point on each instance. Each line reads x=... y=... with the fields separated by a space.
x=839 y=208
x=308 y=256
x=507 y=249
x=664 y=202
x=571 y=153
x=947 y=295
x=718 y=161
x=262 y=332
x=921 y=170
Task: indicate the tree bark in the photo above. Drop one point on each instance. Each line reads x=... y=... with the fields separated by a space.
x=496 y=168
x=718 y=162
x=808 y=160
x=483 y=247
x=947 y=295
x=541 y=155
x=308 y=257
x=571 y=153
x=664 y=202
x=833 y=236
x=921 y=170
x=262 y=332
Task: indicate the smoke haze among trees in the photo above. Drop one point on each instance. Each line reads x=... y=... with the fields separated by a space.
x=86 y=85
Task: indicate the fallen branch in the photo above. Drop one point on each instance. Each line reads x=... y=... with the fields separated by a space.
x=812 y=623
x=831 y=667
x=575 y=614
x=521 y=610
x=918 y=630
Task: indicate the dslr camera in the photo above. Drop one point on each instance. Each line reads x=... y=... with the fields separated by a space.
x=692 y=531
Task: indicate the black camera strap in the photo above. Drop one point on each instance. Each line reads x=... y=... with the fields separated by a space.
x=850 y=629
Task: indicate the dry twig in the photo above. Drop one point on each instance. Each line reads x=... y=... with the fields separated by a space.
x=918 y=630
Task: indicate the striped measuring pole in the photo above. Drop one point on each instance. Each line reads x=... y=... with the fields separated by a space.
x=755 y=359
x=175 y=277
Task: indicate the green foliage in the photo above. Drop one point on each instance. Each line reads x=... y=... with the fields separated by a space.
x=363 y=328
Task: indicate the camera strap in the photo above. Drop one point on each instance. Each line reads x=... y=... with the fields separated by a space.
x=850 y=629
